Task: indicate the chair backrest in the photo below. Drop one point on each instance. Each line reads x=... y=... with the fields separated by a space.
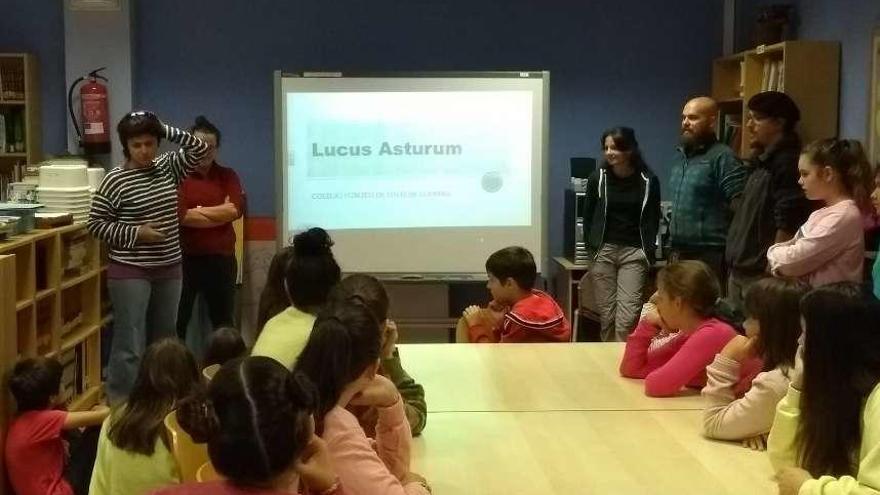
x=207 y=473
x=209 y=371
x=190 y=456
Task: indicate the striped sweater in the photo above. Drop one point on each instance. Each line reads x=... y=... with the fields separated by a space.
x=130 y=197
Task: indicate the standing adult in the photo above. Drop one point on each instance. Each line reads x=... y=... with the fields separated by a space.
x=212 y=200
x=623 y=210
x=134 y=211
x=773 y=204
x=706 y=180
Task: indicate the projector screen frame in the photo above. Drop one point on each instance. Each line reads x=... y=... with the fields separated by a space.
x=282 y=239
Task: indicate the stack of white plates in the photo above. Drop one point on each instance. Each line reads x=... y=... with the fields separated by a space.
x=74 y=200
x=63 y=173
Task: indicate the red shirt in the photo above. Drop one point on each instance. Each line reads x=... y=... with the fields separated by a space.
x=35 y=453
x=211 y=190
x=535 y=318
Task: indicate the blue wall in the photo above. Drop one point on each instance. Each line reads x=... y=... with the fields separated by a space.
x=851 y=22
x=37 y=26
x=611 y=61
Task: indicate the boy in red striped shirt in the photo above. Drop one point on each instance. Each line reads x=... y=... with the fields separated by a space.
x=517 y=312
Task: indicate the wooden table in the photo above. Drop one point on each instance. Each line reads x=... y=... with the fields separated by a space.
x=583 y=452
x=530 y=377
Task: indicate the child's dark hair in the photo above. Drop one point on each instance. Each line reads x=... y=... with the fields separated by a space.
x=224 y=344
x=694 y=282
x=841 y=368
x=847 y=158
x=34 y=381
x=370 y=290
x=204 y=125
x=255 y=418
x=312 y=270
x=274 y=298
x=775 y=303
x=345 y=339
x=167 y=374
x=137 y=124
x=513 y=262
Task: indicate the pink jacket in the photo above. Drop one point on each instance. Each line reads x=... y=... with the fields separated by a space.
x=363 y=470
x=679 y=360
x=829 y=248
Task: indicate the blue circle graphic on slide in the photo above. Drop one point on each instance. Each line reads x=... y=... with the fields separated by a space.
x=492 y=182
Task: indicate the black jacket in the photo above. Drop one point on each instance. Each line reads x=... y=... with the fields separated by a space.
x=596 y=206
x=772 y=200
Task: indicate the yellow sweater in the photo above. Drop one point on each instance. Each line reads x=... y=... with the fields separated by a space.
x=119 y=472
x=784 y=451
x=284 y=336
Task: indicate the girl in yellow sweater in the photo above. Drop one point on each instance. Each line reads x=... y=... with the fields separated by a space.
x=133 y=449
x=825 y=437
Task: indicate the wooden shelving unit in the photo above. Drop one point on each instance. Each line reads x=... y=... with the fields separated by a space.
x=50 y=305
x=810 y=76
x=20 y=107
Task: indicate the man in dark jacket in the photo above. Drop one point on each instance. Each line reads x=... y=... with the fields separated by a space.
x=704 y=187
x=773 y=205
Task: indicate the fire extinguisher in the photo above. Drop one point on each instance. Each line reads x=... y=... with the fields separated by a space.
x=95 y=113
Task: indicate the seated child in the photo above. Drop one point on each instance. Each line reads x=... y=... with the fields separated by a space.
x=772 y=326
x=224 y=344
x=134 y=454
x=36 y=452
x=517 y=312
x=373 y=293
x=310 y=273
x=257 y=420
x=686 y=300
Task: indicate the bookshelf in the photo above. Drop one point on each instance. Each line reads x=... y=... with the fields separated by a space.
x=807 y=71
x=51 y=290
x=20 y=138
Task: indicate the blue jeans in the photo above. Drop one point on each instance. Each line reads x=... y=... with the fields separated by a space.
x=144 y=311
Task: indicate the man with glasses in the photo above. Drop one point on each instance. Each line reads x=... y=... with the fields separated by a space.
x=773 y=205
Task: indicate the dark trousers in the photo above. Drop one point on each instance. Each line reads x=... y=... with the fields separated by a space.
x=83 y=447
x=714 y=257
x=212 y=276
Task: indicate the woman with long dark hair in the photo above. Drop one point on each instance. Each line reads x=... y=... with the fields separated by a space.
x=622 y=209
x=826 y=434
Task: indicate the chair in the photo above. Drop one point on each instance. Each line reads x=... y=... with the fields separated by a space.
x=207 y=473
x=209 y=371
x=190 y=456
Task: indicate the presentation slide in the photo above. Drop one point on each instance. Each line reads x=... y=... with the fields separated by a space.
x=416 y=159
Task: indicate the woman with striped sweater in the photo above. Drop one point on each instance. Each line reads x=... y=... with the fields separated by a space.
x=135 y=212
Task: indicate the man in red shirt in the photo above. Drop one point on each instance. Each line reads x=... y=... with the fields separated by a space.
x=210 y=200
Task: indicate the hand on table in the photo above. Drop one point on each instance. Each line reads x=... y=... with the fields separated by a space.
x=758 y=443
x=790 y=480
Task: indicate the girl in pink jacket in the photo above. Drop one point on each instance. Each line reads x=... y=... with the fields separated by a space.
x=668 y=360
x=830 y=247
x=342 y=358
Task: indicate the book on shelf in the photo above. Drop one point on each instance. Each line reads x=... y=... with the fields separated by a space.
x=730 y=130
x=773 y=78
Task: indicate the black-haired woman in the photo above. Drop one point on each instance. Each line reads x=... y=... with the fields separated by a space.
x=134 y=211
x=622 y=209
x=212 y=199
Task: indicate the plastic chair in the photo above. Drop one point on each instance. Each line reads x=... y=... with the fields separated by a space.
x=209 y=371
x=189 y=455
x=207 y=473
